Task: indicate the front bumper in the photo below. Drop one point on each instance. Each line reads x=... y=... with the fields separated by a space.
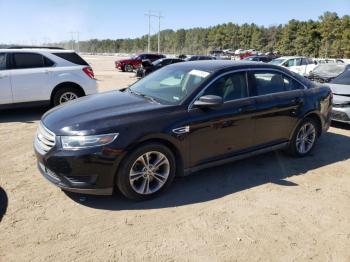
x=341 y=114
x=90 y=171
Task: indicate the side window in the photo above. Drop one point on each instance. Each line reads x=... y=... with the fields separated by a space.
x=298 y=62
x=289 y=63
x=28 y=60
x=2 y=61
x=267 y=82
x=304 y=61
x=48 y=62
x=229 y=87
x=290 y=84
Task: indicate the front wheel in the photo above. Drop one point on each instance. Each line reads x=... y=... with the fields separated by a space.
x=146 y=172
x=128 y=68
x=304 y=138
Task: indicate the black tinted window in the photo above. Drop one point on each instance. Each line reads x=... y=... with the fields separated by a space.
x=229 y=87
x=72 y=57
x=48 y=62
x=28 y=60
x=2 y=61
x=343 y=79
x=269 y=82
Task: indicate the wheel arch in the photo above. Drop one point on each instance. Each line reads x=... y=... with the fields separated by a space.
x=161 y=140
x=313 y=115
x=66 y=84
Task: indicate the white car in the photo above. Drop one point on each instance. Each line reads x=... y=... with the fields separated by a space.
x=298 y=64
x=43 y=76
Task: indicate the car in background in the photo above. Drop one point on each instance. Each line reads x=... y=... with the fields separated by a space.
x=147 y=67
x=328 y=61
x=199 y=57
x=178 y=120
x=134 y=62
x=298 y=64
x=264 y=59
x=47 y=76
x=324 y=73
x=340 y=87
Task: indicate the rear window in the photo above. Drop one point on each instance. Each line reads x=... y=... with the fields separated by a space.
x=72 y=57
x=343 y=79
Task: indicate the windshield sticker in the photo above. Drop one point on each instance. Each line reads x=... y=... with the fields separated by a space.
x=176 y=98
x=199 y=73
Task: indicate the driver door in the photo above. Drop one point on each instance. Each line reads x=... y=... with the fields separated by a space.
x=221 y=132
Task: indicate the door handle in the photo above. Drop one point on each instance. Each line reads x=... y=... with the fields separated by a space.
x=47 y=71
x=297 y=101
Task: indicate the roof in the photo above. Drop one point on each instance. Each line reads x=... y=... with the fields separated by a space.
x=217 y=65
x=35 y=50
x=289 y=57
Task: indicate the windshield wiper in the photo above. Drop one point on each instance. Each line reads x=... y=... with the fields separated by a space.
x=143 y=95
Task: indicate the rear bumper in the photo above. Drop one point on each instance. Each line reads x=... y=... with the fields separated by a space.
x=341 y=114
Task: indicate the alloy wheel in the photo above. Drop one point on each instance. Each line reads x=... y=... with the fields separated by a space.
x=149 y=173
x=67 y=96
x=306 y=138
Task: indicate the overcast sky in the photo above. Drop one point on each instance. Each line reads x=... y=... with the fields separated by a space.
x=37 y=21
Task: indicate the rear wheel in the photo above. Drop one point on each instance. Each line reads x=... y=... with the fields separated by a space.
x=304 y=138
x=146 y=172
x=128 y=68
x=65 y=94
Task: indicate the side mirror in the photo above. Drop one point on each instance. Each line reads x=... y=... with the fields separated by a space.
x=209 y=101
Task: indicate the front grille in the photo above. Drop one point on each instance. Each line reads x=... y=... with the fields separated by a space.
x=44 y=139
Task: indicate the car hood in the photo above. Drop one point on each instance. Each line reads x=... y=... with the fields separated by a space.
x=98 y=113
x=340 y=89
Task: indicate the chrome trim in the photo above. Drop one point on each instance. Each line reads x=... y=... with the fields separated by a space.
x=190 y=106
x=181 y=130
x=45 y=139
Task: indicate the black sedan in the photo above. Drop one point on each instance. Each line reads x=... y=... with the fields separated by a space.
x=148 y=67
x=178 y=120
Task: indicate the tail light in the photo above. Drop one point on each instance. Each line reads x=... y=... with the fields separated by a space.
x=89 y=72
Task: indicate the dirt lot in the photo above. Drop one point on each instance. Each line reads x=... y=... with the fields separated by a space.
x=266 y=208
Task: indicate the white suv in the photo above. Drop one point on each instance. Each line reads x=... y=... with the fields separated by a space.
x=298 y=64
x=43 y=76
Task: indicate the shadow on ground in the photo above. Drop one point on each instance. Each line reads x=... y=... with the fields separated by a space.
x=210 y=184
x=3 y=203
x=24 y=115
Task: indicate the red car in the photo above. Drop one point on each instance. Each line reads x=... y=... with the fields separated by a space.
x=128 y=65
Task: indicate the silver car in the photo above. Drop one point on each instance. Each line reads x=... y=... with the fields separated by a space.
x=341 y=97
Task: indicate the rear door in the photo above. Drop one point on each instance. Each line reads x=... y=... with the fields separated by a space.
x=30 y=77
x=5 y=82
x=279 y=98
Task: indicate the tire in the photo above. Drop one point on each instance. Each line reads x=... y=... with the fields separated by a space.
x=128 y=68
x=69 y=92
x=144 y=184
x=307 y=136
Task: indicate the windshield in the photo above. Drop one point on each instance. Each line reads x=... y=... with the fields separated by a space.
x=277 y=61
x=331 y=69
x=157 y=61
x=343 y=79
x=170 y=85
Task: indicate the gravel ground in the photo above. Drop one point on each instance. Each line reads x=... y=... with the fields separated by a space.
x=266 y=208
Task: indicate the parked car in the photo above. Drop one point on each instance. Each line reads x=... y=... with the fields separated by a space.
x=147 y=67
x=32 y=76
x=341 y=97
x=328 y=61
x=300 y=65
x=264 y=59
x=128 y=65
x=199 y=57
x=324 y=73
x=178 y=120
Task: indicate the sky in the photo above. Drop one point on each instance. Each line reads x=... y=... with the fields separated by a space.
x=38 y=21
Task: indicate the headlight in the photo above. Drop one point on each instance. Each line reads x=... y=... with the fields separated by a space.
x=80 y=142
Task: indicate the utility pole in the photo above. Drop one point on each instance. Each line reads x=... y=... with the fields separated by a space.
x=78 y=41
x=149 y=31
x=149 y=15
x=72 y=39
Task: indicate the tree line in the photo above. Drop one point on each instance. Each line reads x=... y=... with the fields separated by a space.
x=329 y=36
